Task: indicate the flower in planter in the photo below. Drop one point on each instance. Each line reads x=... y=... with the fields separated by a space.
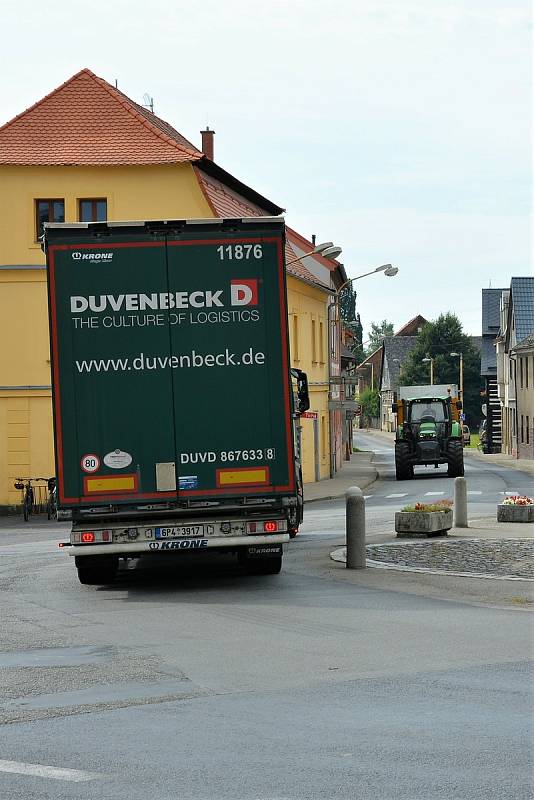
x=441 y=505
x=518 y=500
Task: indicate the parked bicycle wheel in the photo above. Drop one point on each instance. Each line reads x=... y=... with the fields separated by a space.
x=27 y=506
x=51 y=505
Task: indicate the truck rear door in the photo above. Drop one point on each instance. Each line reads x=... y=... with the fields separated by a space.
x=170 y=361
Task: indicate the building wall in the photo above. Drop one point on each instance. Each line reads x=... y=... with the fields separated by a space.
x=525 y=403
x=156 y=192
x=308 y=336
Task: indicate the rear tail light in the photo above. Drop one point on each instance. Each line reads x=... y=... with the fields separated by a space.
x=269 y=526
x=91 y=537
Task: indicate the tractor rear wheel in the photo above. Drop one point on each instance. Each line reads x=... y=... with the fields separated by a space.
x=455 y=467
x=403 y=468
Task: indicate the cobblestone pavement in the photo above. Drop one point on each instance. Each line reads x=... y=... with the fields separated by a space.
x=501 y=557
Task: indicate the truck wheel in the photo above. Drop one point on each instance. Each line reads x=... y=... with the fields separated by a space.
x=455 y=467
x=403 y=468
x=95 y=570
x=264 y=566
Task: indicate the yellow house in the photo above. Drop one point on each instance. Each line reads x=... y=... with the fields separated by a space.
x=86 y=152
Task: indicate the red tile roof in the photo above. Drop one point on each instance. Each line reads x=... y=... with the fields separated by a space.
x=223 y=201
x=86 y=121
x=412 y=327
x=306 y=245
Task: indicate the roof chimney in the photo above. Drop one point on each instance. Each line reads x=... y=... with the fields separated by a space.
x=207 y=142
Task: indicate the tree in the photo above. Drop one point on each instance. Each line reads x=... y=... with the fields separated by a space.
x=351 y=320
x=379 y=331
x=438 y=340
x=370 y=403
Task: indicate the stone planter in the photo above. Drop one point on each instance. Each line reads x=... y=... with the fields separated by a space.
x=507 y=513
x=422 y=523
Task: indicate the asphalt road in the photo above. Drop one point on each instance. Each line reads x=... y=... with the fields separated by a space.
x=196 y=682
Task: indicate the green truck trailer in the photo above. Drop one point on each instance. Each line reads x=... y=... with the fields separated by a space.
x=174 y=402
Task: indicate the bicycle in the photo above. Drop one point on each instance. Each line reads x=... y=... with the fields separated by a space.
x=28 y=496
x=51 y=503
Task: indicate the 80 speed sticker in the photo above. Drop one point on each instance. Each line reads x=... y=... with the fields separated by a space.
x=90 y=463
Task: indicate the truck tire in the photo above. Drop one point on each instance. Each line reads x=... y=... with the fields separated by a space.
x=96 y=570
x=455 y=466
x=403 y=468
x=264 y=566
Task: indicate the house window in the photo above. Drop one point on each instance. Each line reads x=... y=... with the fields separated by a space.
x=528 y=432
x=522 y=436
x=526 y=372
x=93 y=210
x=314 y=341
x=321 y=342
x=48 y=211
x=521 y=373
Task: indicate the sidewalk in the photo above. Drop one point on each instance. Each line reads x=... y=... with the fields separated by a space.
x=502 y=460
x=359 y=471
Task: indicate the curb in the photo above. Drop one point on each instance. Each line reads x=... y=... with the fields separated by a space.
x=363 y=485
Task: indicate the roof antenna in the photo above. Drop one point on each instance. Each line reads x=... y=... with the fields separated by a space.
x=148 y=102
x=116 y=83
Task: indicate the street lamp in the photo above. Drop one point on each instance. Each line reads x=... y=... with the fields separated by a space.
x=388 y=269
x=326 y=250
x=461 y=389
x=430 y=360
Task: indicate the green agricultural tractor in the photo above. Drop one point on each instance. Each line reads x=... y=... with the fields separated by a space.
x=429 y=431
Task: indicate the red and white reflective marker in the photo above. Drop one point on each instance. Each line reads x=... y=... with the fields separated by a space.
x=90 y=463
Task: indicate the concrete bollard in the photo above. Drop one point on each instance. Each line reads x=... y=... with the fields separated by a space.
x=355 y=528
x=460 y=503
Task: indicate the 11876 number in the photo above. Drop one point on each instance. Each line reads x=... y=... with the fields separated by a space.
x=240 y=252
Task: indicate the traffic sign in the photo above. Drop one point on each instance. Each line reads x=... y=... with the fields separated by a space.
x=462 y=416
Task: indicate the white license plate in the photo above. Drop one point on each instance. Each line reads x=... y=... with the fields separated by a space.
x=183 y=530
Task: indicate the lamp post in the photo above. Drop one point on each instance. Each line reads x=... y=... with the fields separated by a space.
x=461 y=388
x=426 y=361
x=389 y=271
x=326 y=250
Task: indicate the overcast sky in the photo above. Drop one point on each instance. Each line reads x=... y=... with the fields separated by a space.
x=400 y=129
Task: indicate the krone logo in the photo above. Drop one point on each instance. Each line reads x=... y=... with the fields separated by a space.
x=77 y=256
